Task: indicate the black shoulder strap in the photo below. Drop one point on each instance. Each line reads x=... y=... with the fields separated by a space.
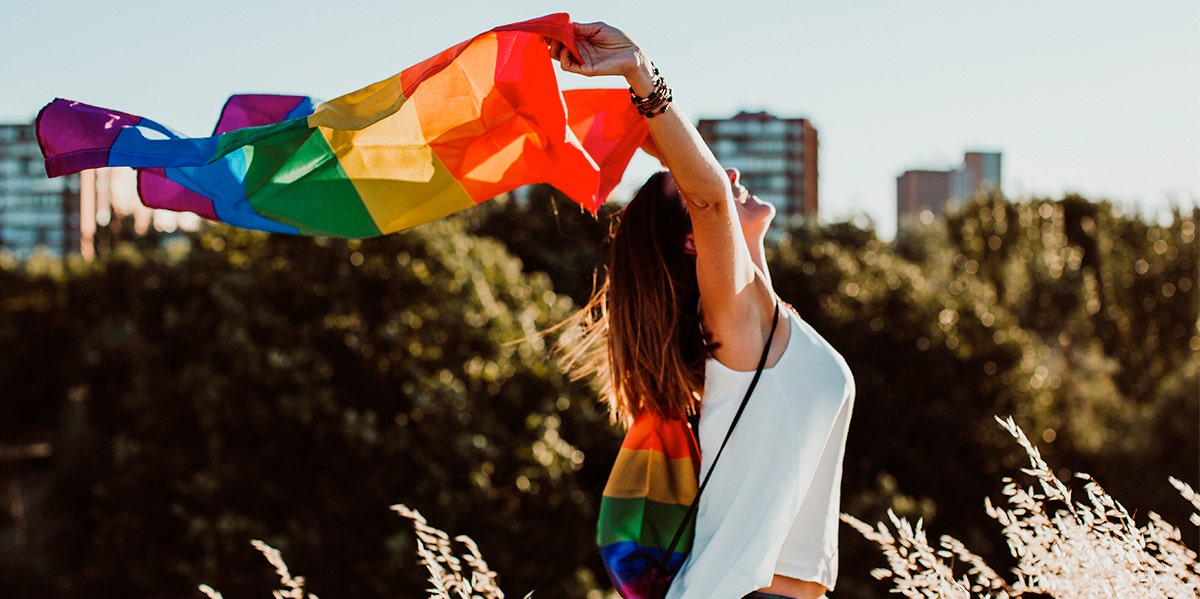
x=762 y=362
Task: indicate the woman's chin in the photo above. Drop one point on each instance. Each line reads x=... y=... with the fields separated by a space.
x=768 y=214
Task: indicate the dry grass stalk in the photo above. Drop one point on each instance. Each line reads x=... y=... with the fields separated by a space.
x=1064 y=549
x=1190 y=495
x=293 y=586
x=436 y=553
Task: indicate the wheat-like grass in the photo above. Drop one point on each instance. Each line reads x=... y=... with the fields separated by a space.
x=913 y=565
x=1065 y=549
x=1192 y=496
x=293 y=586
x=435 y=551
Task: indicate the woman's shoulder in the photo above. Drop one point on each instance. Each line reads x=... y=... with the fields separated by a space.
x=787 y=326
x=739 y=329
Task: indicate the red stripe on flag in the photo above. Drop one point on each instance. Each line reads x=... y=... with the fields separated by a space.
x=647 y=432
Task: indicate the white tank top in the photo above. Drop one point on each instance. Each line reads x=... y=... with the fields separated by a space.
x=772 y=505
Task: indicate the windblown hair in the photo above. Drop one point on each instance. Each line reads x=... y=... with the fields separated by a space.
x=640 y=333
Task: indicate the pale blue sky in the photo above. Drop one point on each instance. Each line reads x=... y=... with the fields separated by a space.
x=1096 y=96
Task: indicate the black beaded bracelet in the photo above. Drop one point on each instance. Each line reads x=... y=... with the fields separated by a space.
x=659 y=100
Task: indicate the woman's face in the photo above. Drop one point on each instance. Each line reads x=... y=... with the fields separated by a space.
x=754 y=215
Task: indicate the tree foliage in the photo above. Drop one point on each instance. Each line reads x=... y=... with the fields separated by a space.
x=1049 y=311
x=291 y=389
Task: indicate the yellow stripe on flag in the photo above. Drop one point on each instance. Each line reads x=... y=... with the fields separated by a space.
x=361 y=108
x=646 y=473
x=400 y=180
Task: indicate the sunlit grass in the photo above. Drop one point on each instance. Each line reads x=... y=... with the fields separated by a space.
x=1064 y=548
x=452 y=575
x=292 y=587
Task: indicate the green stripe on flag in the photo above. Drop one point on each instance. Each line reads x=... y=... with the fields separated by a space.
x=233 y=140
x=649 y=523
x=294 y=177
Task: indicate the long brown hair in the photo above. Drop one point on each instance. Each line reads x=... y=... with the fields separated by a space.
x=640 y=332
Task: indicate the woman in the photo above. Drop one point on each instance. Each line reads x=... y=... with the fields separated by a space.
x=680 y=325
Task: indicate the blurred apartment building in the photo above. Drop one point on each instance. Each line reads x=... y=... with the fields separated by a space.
x=72 y=215
x=776 y=156
x=34 y=210
x=933 y=190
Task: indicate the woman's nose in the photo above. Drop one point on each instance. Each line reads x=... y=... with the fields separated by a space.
x=734 y=174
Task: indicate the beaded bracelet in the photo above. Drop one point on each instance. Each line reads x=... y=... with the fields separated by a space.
x=659 y=100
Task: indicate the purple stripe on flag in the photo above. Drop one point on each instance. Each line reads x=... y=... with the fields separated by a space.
x=75 y=136
x=157 y=191
x=254 y=110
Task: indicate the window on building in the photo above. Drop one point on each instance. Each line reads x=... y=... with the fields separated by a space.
x=730 y=128
x=768 y=146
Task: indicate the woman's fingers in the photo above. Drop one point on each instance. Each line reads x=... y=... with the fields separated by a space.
x=601 y=50
x=586 y=30
x=568 y=61
x=560 y=52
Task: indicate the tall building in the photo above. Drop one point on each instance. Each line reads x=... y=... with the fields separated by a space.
x=916 y=190
x=71 y=215
x=980 y=172
x=777 y=157
x=932 y=190
x=35 y=210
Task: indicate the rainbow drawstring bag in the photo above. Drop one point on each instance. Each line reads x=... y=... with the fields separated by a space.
x=647 y=515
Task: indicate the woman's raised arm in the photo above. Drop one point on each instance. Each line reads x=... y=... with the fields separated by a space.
x=734 y=291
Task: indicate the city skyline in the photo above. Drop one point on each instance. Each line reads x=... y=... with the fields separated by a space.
x=1090 y=97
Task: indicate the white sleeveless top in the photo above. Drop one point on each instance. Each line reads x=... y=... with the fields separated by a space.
x=772 y=505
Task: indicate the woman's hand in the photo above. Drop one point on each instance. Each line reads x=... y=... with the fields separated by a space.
x=605 y=50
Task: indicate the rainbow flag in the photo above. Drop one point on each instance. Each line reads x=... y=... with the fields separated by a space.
x=478 y=119
x=649 y=491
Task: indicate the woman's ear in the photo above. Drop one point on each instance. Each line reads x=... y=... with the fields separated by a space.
x=689 y=244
